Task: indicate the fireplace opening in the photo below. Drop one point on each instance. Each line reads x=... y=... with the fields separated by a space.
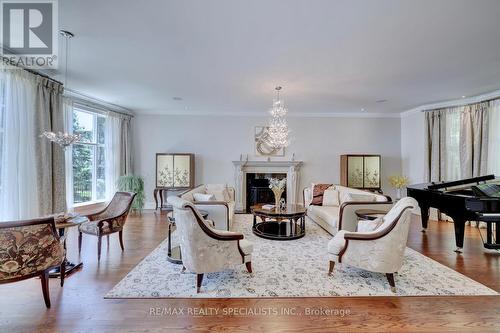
x=258 y=190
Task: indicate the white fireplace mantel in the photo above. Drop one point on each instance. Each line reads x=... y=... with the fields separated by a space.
x=241 y=168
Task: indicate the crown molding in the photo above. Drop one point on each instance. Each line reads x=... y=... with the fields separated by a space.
x=452 y=103
x=78 y=97
x=265 y=114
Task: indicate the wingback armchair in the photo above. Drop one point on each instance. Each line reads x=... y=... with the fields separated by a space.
x=108 y=221
x=381 y=250
x=204 y=248
x=28 y=249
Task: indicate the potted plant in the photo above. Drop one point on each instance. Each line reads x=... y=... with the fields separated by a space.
x=131 y=183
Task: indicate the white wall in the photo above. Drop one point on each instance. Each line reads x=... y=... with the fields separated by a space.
x=218 y=140
x=413 y=146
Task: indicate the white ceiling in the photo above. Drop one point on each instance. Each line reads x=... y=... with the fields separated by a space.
x=226 y=56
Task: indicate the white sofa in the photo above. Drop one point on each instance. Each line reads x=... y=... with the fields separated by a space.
x=341 y=216
x=220 y=211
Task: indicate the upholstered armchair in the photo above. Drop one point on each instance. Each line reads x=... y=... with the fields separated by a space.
x=380 y=250
x=29 y=249
x=204 y=248
x=108 y=221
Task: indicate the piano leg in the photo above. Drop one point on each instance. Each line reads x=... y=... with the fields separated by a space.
x=424 y=214
x=459 y=225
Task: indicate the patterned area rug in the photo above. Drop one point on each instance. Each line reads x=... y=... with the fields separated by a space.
x=296 y=268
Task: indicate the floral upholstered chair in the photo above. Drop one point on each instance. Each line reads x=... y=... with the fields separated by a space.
x=28 y=249
x=204 y=248
x=108 y=221
x=378 y=249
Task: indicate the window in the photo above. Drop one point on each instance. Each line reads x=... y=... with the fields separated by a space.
x=89 y=183
x=2 y=123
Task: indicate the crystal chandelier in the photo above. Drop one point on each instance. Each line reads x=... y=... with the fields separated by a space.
x=278 y=132
x=62 y=139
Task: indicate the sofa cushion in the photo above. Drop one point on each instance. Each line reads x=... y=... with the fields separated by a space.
x=246 y=246
x=330 y=214
x=202 y=197
x=331 y=198
x=220 y=191
x=356 y=197
x=337 y=243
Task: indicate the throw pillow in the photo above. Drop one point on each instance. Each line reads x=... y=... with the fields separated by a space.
x=201 y=197
x=370 y=225
x=331 y=198
x=318 y=191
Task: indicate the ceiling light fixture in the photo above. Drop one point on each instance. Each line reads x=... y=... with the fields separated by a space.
x=278 y=133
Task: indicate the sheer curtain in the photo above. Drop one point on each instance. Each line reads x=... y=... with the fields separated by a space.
x=493 y=162
x=113 y=153
x=19 y=192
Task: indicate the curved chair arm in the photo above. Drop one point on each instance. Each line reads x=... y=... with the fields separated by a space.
x=214 y=233
x=347 y=216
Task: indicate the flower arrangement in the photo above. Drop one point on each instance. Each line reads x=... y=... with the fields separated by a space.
x=399 y=183
x=278 y=187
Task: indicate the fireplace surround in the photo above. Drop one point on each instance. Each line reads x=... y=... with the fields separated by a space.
x=242 y=168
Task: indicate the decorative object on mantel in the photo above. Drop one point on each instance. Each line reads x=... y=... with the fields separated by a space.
x=174 y=172
x=278 y=187
x=360 y=171
x=399 y=183
x=62 y=139
x=262 y=146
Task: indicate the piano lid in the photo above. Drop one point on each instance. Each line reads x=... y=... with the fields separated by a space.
x=456 y=184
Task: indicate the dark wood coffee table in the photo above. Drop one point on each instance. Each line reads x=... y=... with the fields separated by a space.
x=370 y=214
x=279 y=224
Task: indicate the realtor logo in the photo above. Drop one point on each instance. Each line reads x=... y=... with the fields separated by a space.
x=29 y=33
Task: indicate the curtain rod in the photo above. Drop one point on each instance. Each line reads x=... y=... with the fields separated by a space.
x=488 y=100
x=97 y=107
x=32 y=71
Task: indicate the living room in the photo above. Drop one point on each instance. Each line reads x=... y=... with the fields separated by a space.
x=249 y=166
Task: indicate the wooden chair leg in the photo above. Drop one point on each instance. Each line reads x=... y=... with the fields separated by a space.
x=249 y=266
x=199 y=279
x=390 y=278
x=120 y=236
x=79 y=242
x=44 y=278
x=62 y=271
x=332 y=266
x=99 y=239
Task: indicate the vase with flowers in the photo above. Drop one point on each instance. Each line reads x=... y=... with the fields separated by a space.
x=278 y=187
x=399 y=183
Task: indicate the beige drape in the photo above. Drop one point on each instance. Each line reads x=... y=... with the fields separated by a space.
x=474 y=140
x=51 y=178
x=435 y=129
x=126 y=163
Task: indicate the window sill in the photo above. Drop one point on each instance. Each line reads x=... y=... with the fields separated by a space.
x=89 y=203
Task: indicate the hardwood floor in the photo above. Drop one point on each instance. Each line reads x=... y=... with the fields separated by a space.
x=79 y=305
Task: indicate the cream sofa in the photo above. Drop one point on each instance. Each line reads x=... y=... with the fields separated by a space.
x=221 y=211
x=333 y=218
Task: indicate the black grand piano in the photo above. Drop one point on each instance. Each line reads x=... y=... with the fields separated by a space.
x=474 y=199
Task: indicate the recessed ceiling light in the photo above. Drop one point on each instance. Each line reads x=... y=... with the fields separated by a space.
x=177 y=98
x=363 y=109
x=464 y=96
